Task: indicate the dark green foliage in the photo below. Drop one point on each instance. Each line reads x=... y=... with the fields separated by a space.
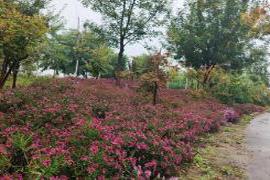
x=99 y=110
x=128 y=21
x=23 y=26
x=240 y=88
x=178 y=81
x=62 y=52
x=153 y=76
x=210 y=33
x=140 y=64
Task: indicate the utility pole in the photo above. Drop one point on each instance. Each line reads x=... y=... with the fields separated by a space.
x=77 y=47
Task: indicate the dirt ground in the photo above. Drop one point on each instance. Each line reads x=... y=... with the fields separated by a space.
x=225 y=155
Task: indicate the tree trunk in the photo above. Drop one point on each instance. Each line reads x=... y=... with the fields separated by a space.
x=15 y=74
x=155 y=93
x=5 y=77
x=4 y=68
x=120 y=57
x=77 y=69
x=187 y=84
x=119 y=67
x=14 y=83
x=207 y=74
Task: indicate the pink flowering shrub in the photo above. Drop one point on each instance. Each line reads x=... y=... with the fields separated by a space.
x=248 y=108
x=231 y=115
x=70 y=128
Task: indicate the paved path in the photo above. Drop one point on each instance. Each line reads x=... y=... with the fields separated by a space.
x=258 y=142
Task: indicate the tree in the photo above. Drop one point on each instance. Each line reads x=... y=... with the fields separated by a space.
x=140 y=65
x=154 y=75
x=52 y=55
x=94 y=53
x=100 y=63
x=47 y=53
x=62 y=51
x=211 y=33
x=259 y=67
x=20 y=31
x=128 y=21
x=258 y=19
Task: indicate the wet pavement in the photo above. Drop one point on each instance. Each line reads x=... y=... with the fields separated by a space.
x=258 y=143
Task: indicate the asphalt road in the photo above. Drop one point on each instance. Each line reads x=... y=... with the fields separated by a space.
x=258 y=143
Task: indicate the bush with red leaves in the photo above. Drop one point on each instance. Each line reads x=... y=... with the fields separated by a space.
x=246 y=109
x=70 y=128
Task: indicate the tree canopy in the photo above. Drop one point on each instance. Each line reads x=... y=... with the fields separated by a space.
x=208 y=33
x=20 y=30
x=62 y=51
x=129 y=21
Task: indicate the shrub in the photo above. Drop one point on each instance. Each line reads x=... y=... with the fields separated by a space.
x=231 y=115
x=238 y=88
x=229 y=88
x=5 y=163
x=247 y=109
x=99 y=110
x=57 y=136
x=189 y=79
x=178 y=81
x=154 y=76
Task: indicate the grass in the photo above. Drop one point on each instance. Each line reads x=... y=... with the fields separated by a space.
x=24 y=80
x=224 y=155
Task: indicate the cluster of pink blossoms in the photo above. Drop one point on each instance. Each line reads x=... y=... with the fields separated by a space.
x=49 y=130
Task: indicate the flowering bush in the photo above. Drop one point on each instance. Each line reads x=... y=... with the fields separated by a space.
x=60 y=130
x=231 y=115
x=247 y=108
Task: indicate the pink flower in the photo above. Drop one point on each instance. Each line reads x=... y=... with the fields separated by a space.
x=133 y=161
x=81 y=122
x=94 y=149
x=167 y=148
x=6 y=177
x=3 y=149
x=101 y=178
x=36 y=144
x=117 y=141
x=69 y=162
x=147 y=174
x=91 y=169
x=142 y=146
x=151 y=164
x=47 y=163
x=139 y=171
x=20 y=177
x=35 y=157
x=124 y=136
x=51 y=110
x=231 y=115
x=59 y=178
x=84 y=158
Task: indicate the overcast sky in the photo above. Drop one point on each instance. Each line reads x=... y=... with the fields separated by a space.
x=72 y=9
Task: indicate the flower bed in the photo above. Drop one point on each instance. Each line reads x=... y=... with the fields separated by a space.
x=69 y=128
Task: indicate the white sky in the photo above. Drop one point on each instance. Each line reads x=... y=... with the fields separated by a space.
x=72 y=9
